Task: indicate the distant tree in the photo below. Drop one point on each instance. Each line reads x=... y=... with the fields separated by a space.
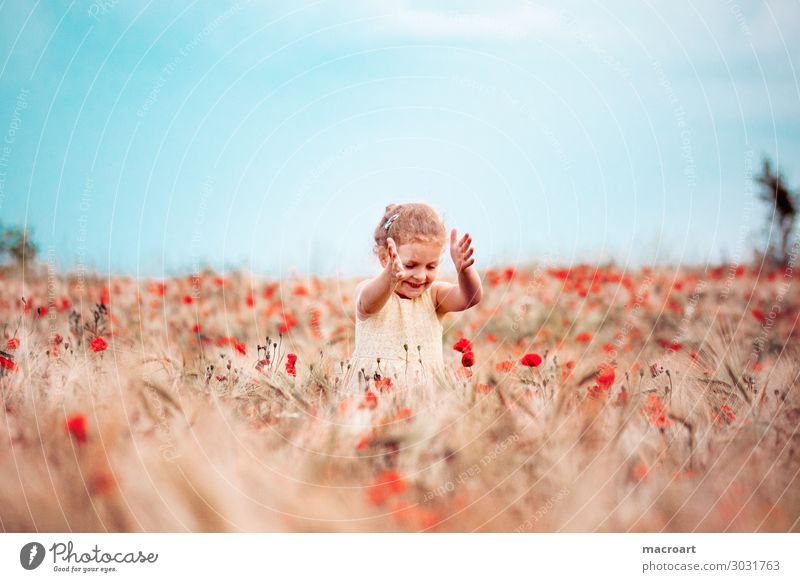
x=783 y=209
x=17 y=244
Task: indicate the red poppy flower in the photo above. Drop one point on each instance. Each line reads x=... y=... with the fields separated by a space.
x=76 y=426
x=101 y=483
x=531 y=360
x=187 y=299
x=724 y=415
x=370 y=400
x=363 y=442
x=157 y=288
x=241 y=348
x=383 y=384
x=463 y=345
x=390 y=482
x=316 y=317
x=13 y=343
x=7 y=364
x=468 y=360
x=98 y=344
x=505 y=366
x=596 y=392
x=639 y=472
x=261 y=364
x=288 y=322
x=291 y=359
x=196 y=328
x=584 y=337
x=656 y=412
x=606 y=376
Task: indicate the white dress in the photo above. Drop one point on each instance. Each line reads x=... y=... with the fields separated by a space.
x=402 y=342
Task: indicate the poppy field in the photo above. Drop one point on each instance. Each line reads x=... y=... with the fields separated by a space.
x=583 y=398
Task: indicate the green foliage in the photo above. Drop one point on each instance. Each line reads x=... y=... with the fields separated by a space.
x=782 y=205
x=17 y=245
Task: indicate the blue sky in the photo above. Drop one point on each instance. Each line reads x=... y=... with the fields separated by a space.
x=152 y=138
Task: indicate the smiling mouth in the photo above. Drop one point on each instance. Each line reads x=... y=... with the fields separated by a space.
x=415 y=286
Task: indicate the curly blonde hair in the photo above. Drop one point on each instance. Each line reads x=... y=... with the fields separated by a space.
x=408 y=223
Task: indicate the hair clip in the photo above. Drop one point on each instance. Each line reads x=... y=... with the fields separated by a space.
x=390 y=220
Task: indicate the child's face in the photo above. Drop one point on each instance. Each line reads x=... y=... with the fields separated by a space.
x=421 y=263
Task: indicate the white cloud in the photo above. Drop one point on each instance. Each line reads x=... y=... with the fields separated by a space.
x=511 y=22
x=741 y=28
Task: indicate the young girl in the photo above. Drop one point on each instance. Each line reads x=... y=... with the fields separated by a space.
x=398 y=312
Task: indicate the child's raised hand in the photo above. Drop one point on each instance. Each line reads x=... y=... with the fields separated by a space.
x=461 y=252
x=395 y=265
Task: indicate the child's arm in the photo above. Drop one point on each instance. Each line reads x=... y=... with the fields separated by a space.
x=469 y=290
x=376 y=292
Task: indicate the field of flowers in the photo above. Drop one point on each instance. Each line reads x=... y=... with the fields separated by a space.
x=582 y=399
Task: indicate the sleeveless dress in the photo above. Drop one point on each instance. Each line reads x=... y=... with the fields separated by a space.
x=381 y=342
